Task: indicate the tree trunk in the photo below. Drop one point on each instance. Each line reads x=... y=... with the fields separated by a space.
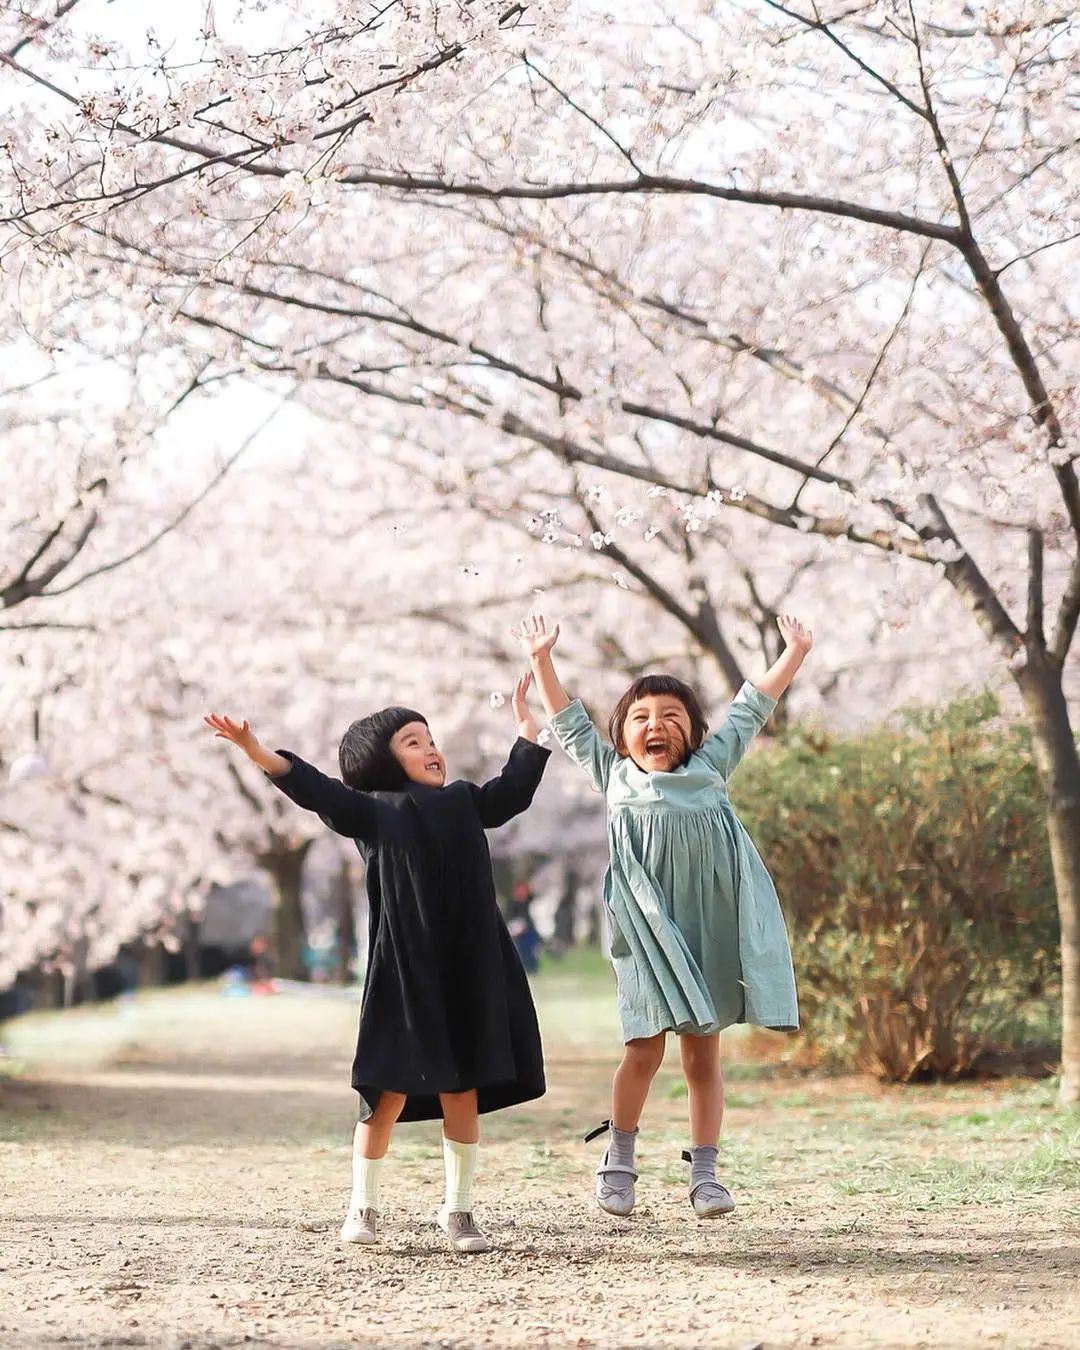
x=594 y=933
x=78 y=986
x=285 y=867
x=46 y=989
x=1059 y=769
x=191 y=928
x=566 y=910
x=151 y=961
x=346 y=921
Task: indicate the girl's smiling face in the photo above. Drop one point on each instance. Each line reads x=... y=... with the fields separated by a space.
x=414 y=749
x=657 y=732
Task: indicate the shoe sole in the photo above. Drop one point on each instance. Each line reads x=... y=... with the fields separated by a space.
x=713 y=1213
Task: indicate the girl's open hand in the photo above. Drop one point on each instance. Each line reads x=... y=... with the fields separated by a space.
x=794 y=633
x=526 y=723
x=240 y=733
x=533 y=634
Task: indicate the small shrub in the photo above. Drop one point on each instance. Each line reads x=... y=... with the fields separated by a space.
x=914 y=871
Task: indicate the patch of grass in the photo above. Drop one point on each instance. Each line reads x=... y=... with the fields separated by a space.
x=743 y=1100
x=1047 y=1160
x=1014 y=1115
x=162 y=1025
x=677 y=1091
x=1054 y=1164
x=848 y=1229
x=543 y=1161
x=923 y=1147
x=747 y=1071
x=575 y=1000
x=10 y=1067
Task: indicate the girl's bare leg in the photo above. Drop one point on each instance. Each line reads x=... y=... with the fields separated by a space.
x=633 y=1078
x=615 y=1175
x=700 y=1056
x=461 y=1122
x=371 y=1138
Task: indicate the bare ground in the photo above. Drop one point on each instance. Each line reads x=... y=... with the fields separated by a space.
x=180 y=1182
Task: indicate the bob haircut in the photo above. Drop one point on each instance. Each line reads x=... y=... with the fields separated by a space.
x=367 y=763
x=648 y=685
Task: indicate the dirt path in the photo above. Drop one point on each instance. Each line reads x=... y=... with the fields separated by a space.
x=184 y=1190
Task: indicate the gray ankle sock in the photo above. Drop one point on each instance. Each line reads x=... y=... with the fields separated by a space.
x=620 y=1150
x=702 y=1159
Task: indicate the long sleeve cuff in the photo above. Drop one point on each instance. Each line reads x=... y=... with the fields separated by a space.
x=281 y=777
x=529 y=747
x=567 y=719
x=763 y=704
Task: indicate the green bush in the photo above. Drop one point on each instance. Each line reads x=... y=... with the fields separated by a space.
x=914 y=871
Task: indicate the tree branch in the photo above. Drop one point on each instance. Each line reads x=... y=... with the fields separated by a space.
x=1033 y=252
x=63 y=8
x=50 y=627
x=1035 y=635
x=969 y=582
x=1067 y=616
x=26 y=587
x=559 y=387
x=181 y=515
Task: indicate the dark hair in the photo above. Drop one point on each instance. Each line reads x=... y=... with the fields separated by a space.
x=365 y=757
x=658 y=684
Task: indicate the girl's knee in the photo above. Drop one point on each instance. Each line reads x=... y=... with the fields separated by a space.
x=646 y=1055
x=459 y=1105
x=700 y=1056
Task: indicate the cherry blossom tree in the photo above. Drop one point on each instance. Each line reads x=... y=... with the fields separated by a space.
x=785 y=277
x=249 y=604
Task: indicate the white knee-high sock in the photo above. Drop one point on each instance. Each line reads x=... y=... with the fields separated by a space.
x=459 y=1163
x=365 y=1182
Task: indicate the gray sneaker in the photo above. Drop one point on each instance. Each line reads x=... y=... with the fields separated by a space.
x=709 y=1198
x=614 y=1188
x=360 y=1226
x=462 y=1232
x=615 y=1173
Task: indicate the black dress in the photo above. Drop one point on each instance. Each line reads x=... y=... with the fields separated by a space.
x=446 y=1004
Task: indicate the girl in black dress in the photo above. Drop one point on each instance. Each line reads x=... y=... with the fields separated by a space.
x=447 y=1024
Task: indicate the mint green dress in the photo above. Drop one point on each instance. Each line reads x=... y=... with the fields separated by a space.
x=697 y=935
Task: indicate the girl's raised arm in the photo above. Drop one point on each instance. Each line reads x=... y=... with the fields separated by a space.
x=241 y=734
x=532 y=633
x=753 y=705
x=569 y=721
x=346 y=811
x=798 y=640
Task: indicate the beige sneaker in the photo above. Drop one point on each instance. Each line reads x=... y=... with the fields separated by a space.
x=360 y=1226
x=462 y=1232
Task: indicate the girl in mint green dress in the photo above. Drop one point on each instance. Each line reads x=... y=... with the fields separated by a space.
x=698 y=941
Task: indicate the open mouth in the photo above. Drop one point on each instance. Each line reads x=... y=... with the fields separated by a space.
x=433 y=766
x=656 y=747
